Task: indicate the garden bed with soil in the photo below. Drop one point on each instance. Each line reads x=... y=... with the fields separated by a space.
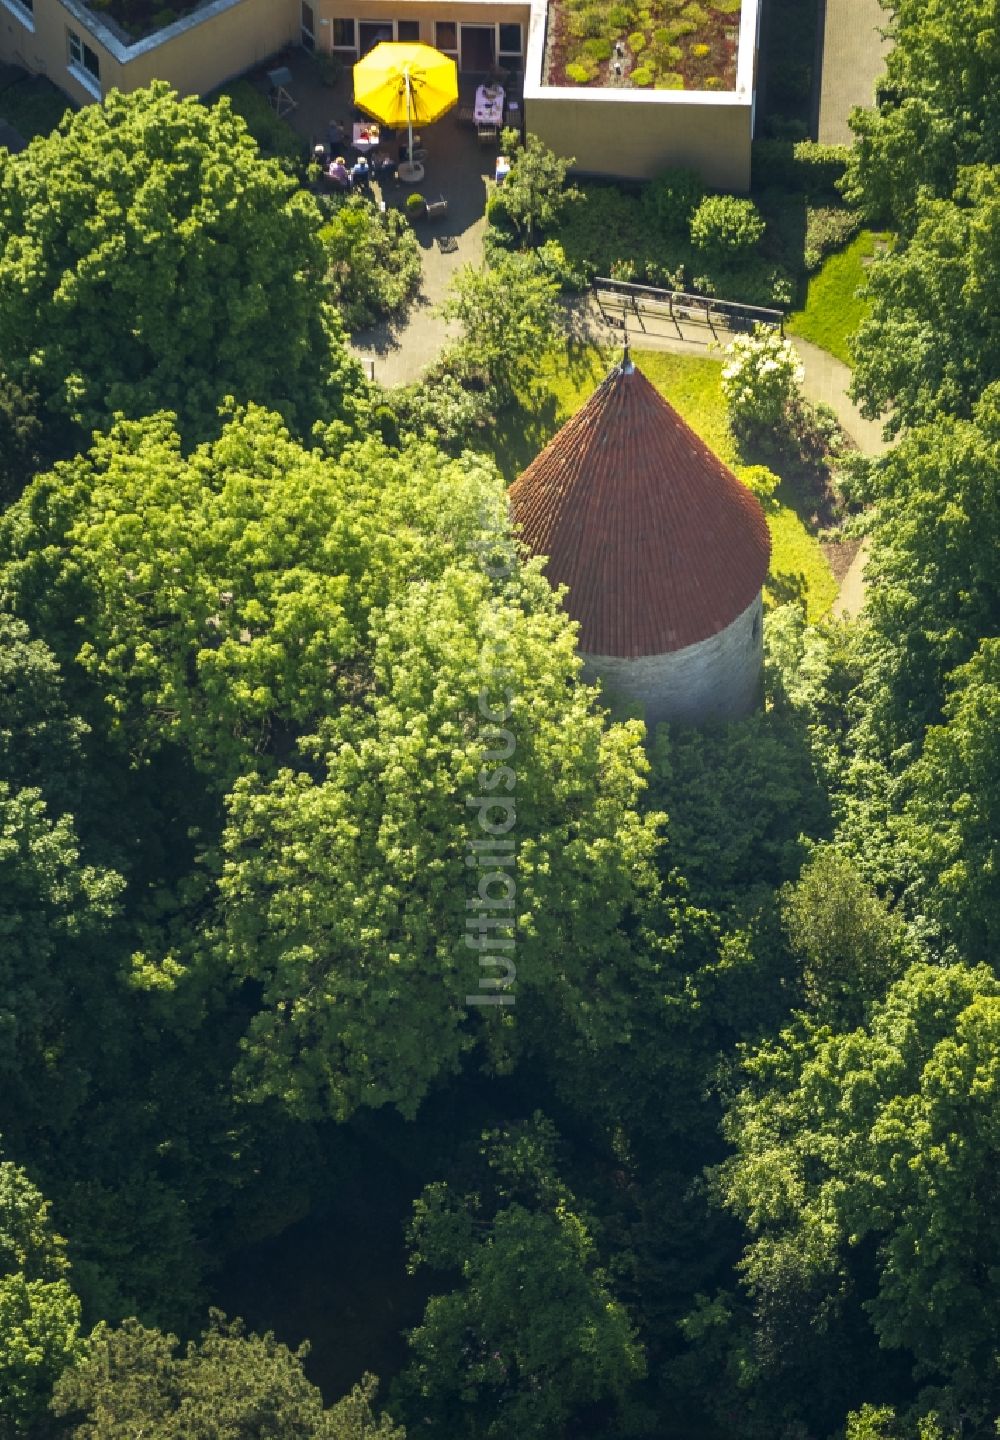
x=654 y=44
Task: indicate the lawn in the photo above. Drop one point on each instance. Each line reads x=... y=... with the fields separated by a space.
x=691 y=384
x=834 y=309
x=33 y=105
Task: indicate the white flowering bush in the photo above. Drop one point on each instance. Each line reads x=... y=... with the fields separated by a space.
x=761 y=381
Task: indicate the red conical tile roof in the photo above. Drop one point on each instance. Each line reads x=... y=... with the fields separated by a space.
x=659 y=543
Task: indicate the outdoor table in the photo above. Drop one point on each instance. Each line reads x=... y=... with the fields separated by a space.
x=366 y=137
x=488 y=109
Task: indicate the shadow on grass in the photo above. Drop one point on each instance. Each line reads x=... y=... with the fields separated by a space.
x=804 y=468
x=786 y=586
x=522 y=430
x=524 y=427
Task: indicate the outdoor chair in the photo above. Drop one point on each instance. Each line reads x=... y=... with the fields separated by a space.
x=278 y=96
x=488 y=134
x=466 y=115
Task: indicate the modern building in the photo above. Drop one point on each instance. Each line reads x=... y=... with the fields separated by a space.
x=622 y=132
x=664 y=553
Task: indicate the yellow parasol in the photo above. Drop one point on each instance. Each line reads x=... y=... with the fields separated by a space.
x=401 y=84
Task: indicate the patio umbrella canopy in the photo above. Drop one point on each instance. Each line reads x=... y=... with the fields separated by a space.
x=405 y=85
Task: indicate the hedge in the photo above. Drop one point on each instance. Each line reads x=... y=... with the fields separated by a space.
x=801 y=165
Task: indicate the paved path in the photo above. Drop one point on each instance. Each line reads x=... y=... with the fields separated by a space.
x=826 y=381
x=401 y=354
x=853 y=58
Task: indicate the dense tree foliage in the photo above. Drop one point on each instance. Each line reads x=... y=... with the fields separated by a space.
x=507 y=318
x=39 y=1313
x=927 y=345
x=374 y=262
x=937 y=109
x=885 y=1134
x=534 y=193
x=289 y=728
x=934 y=581
x=532 y=1333
x=147 y=252
x=949 y=826
x=132 y=1381
x=246 y=604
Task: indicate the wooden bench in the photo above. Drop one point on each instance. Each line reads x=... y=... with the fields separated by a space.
x=437 y=208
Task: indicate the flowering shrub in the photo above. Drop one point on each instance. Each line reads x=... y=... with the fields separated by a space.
x=760 y=381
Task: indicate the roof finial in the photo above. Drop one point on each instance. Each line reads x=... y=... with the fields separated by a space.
x=627 y=366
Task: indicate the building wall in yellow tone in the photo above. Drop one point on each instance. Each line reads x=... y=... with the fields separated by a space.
x=634 y=138
x=618 y=133
x=472 y=12
x=194 y=57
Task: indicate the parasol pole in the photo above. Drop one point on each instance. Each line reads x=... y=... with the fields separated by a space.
x=409 y=114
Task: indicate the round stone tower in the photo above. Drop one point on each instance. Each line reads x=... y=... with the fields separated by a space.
x=663 y=551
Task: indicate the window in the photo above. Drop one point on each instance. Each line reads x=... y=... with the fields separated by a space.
x=84 y=63
x=308 y=27
x=510 y=39
x=343 y=35
x=446 y=36
x=23 y=9
x=407 y=30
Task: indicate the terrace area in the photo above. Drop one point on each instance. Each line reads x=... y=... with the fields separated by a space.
x=456 y=169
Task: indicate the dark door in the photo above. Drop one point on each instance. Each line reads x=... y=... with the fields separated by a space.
x=477 y=48
x=370 y=32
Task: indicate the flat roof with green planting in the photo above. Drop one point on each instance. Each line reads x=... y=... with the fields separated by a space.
x=643 y=44
x=139 y=18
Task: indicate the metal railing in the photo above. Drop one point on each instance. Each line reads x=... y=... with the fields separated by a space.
x=622 y=301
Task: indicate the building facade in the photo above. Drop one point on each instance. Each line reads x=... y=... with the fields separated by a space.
x=631 y=134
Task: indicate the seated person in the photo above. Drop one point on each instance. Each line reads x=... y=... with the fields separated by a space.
x=361 y=171
x=383 y=166
x=320 y=156
x=339 y=174
x=336 y=134
x=418 y=153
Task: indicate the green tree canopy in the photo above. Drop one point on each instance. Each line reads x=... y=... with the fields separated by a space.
x=55 y=912
x=508 y=318
x=927 y=345
x=318 y=634
x=534 y=194
x=228 y=1385
x=885 y=1138
x=934 y=588
x=149 y=258
x=850 y=944
x=39 y=1314
x=938 y=106
x=949 y=828
x=532 y=1333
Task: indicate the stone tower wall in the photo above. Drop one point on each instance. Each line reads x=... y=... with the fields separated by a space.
x=718 y=679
